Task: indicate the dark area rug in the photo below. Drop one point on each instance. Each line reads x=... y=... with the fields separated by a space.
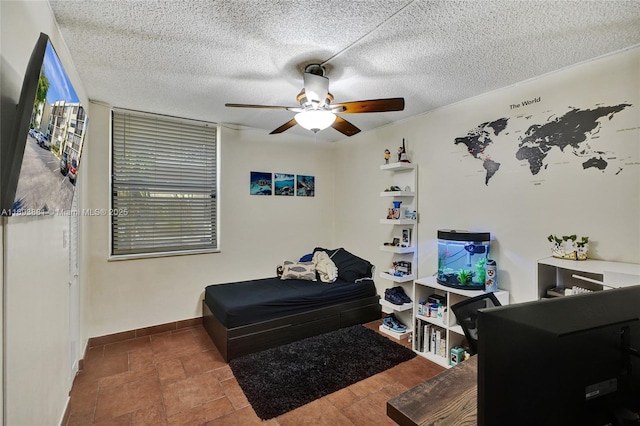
x=278 y=380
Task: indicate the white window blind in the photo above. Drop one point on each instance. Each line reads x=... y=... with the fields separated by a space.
x=164 y=184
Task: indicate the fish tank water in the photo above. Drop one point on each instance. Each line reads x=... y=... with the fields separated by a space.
x=462 y=258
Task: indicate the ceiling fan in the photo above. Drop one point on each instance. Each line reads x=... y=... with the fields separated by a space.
x=316 y=112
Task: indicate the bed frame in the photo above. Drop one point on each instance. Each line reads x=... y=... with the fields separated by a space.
x=246 y=339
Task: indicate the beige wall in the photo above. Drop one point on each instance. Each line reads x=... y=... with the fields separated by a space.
x=256 y=232
x=519 y=209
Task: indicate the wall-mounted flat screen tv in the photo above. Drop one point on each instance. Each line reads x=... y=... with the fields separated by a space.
x=41 y=160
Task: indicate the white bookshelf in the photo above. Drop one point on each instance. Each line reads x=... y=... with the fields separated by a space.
x=404 y=176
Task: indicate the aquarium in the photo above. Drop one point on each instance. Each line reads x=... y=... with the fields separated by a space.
x=462 y=258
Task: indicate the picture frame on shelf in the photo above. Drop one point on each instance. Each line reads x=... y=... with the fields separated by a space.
x=405 y=240
x=402 y=268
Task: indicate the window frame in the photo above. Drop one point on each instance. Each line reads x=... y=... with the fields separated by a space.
x=216 y=219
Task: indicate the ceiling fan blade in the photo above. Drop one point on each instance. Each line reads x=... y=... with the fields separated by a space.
x=289 y=124
x=343 y=126
x=373 y=105
x=261 y=106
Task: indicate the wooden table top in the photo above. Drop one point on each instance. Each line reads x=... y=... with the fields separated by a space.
x=450 y=398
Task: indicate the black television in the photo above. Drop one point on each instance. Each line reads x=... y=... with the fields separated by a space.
x=570 y=360
x=41 y=158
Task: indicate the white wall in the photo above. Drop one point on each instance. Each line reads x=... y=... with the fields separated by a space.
x=519 y=209
x=36 y=290
x=37 y=320
x=256 y=232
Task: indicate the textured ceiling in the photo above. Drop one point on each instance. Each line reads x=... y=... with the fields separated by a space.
x=189 y=58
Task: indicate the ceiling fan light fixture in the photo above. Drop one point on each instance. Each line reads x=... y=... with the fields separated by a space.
x=315 y=120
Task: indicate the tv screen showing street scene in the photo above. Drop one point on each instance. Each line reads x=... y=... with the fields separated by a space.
x=54 y=144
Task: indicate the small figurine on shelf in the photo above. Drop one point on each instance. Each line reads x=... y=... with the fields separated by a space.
x=393 y=213
x=402 y=154
x=387 y=155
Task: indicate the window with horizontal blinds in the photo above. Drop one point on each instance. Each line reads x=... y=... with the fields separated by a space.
x=164 y=184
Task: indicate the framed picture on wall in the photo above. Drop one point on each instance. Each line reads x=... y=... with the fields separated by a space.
x=261 y=183
x=305 y=186
x=283 y=184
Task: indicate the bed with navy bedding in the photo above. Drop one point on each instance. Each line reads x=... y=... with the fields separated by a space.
x=249 y=316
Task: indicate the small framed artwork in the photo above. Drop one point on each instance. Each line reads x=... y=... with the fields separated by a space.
x=261 y=184
x=406 y=238
x=305 y=186
x=283 y=184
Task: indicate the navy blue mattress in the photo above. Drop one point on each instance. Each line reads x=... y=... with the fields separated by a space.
x=247 y=302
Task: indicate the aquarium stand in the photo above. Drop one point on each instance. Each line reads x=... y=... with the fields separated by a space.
x=443 y=330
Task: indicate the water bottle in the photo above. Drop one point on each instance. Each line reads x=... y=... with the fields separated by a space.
x=491 y=276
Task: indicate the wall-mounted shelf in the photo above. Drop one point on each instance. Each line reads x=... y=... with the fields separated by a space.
x=395 y=334
x=398 y=308
x=403 y=175
x=398 y=249
x=398 y=221
x=397 y=194
x=398 y=166
x=402 y=279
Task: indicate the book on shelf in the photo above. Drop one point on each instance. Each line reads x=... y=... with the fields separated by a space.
x=432 y=342
x=426 y=334
x=442 y=348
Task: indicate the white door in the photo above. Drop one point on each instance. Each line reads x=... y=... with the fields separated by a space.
x=74 y=289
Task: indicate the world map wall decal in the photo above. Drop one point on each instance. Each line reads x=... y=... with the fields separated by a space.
x=570 y=133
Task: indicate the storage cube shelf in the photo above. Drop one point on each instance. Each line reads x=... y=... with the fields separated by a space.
x=451 y=333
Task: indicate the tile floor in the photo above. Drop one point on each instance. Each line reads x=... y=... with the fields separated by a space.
x=179 y=378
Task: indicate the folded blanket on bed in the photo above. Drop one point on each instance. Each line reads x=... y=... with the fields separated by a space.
x=327 y=270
